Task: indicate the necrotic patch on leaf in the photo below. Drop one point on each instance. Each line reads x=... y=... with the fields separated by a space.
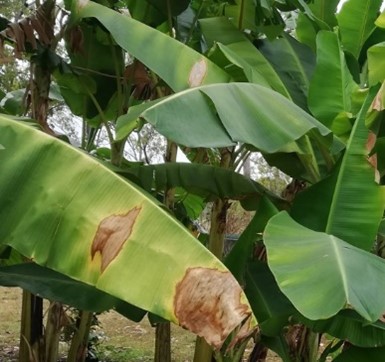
x=208 y=303
x=198 y=73
x=112 y=233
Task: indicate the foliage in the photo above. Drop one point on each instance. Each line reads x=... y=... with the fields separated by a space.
x=221 y=81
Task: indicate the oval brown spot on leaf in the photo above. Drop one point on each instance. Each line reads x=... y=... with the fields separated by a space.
x=112 y=233
x=198 y=73
x=208 y=303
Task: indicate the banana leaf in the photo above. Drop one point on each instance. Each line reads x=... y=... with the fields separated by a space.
x=325 y=11
x=376 y=70
x=239 y=50
x=356 y=354
x=350 y=326
x=349 y=203
x=356 y=22
x=221 y=115
x=67 y=212
x=207 y=181
x=293 y=62
x=243 y=14
x=322 y=274
x=55 y=286
x=191 y=69
x=332 y=85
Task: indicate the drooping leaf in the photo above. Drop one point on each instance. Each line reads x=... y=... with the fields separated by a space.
x=356 y=354
x=294 y=62
x=350 y=326
x=356 y=22
x=332 y=85
x=206 y=181
x=322 y=274
x=192 y=68
x=235 y=112
x=78 y=218
x=55 y=286
x=327 y=205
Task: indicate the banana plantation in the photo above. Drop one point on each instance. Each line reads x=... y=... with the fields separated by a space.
x=297 y=82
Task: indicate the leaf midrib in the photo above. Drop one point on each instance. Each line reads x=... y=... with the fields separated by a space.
x=340 y=265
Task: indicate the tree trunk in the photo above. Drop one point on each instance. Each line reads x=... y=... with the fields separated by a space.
x=163 y=342
x=163 y=330
x=203 y=352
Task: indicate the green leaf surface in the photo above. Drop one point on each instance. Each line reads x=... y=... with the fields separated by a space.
x=325 y=11
x=350 y=326
x=89 y=84
x=348 y=204
x=294 y=63
x=155 y=12
x=356 y=22
x=239 y=50
x=332 y=84
x=322 y=274
x=380 y=21
x=271 y=307
x=355 y=354
x=376 y=68
x=221 y=115
x=242 y=14
x=55 y=286
x=239 y=255
x=306 y=31
x=126 y=123
x=78 y=218
x=206 y=181
x=191 y=69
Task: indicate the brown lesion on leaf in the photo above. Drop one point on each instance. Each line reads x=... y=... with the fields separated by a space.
x=197 y=73
x=112 y=233
x=208 y=303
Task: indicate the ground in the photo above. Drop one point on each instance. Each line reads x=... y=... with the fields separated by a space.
x=120 y=339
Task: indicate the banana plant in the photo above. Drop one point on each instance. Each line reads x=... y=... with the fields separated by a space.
x=92 y=226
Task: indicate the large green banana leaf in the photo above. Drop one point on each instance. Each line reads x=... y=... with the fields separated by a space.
x=294 y=62
x=221 y=115
x=67 y=212
x=56 y=286
x=332 y=85
x=356 y=22
x=348 y=204
x=180 y=66
x=322 y=274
